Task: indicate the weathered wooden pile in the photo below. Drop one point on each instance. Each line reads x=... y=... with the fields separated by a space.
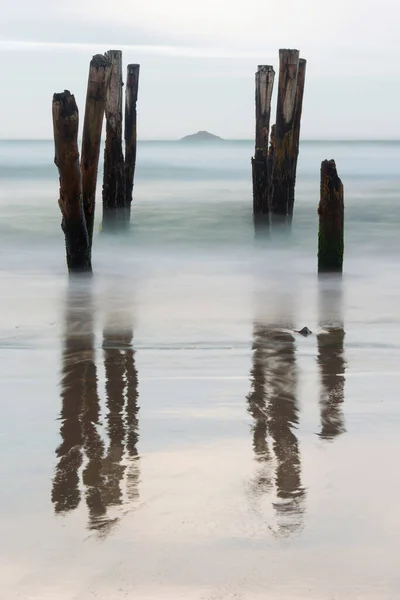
x=331 y=220
x=78 y=178
x=274 y=164
x=275 y=159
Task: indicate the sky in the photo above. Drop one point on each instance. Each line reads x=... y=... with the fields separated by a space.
x=198 y=61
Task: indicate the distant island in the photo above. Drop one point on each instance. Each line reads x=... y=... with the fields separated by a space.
x=201 y=136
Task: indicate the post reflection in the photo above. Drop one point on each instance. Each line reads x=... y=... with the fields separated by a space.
x=272 y=404
x=107 y=450
x=257 y=407
x=132 y=424
x=77 y=357
x=331 y=359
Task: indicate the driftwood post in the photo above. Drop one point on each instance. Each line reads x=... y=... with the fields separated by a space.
x=331 y=220
x=301 y=77
x=131 y=96
x=99 y=72
x=65 y=127
x=114 y=176
x=264 y=86
x=284 y=150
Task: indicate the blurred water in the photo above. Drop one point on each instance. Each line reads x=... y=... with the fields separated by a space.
x=165 y=431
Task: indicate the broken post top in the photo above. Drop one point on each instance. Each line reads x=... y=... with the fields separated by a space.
x=61 y=95
x=65 y=105
x=99 y=74
x=100 y=61
x=267 y=69
x=65 y=120
x=114 y=54
x=328 y=167
x=331 y=201
x=65 y=129
x=264 y=85
x=331 y=187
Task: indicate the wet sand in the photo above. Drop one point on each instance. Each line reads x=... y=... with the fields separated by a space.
x=198 y=447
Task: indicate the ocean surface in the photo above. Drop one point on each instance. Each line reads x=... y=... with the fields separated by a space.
x=166 y=433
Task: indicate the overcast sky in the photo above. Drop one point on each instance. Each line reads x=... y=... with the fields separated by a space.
x=198 y=61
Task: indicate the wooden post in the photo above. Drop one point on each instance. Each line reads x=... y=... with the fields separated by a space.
x=260 y=183
x=264 y=85
x=99 y=72
x=114 y=177
x=284 y=147
x=65 y=127
x=270 y=161
x=301 y=77
x=131 y=96
x=331 y=220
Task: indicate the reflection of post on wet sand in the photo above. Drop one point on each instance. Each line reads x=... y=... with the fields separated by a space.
x=273 y=406
x=331 y=357
x=132 y=424
x=257 y=407
x=82 y=441
x=122 y=420
x=77 y=354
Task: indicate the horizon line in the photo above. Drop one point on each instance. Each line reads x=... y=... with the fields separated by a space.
x=37 y=139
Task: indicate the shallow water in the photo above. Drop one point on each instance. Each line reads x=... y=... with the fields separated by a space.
x=166 y=433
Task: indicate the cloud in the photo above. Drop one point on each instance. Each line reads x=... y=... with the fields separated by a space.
x=251 y=23
x=188 y=51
